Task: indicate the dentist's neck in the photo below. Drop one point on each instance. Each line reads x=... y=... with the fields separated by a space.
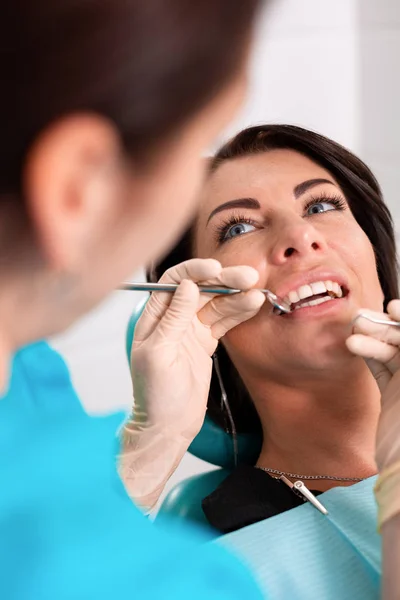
x=12 y=319
x=25 y=311
x=324 y=426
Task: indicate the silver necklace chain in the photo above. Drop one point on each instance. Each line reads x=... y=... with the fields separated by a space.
x=313 y=477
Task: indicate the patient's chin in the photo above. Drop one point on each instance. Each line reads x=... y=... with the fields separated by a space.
x=323 y=354
x=313 y=350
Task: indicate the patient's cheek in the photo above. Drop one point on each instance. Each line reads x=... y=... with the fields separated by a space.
x=364 y=262
x=245 y=338
x=232 y=257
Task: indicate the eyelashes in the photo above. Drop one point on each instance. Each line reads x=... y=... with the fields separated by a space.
x=221 y=231
x=335 y=199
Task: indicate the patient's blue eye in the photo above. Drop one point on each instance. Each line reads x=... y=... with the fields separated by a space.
x=238 y=229
x=235 y=226
x=323 y=204
x=320 y=207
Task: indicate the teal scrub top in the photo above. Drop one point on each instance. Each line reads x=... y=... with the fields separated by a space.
x=68 y=530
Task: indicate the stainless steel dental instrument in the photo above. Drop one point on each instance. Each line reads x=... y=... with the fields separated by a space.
x=276 y=302
x=377 y=320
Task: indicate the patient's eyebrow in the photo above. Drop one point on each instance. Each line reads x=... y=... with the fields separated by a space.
x=307 y=185
x=238 y=203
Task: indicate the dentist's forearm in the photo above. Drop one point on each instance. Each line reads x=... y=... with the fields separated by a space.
x=148 y=459
x=387 y=494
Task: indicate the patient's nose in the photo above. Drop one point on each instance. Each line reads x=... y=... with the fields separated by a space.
x=296 y=240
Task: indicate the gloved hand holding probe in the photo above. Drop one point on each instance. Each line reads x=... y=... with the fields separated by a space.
x=171 y=364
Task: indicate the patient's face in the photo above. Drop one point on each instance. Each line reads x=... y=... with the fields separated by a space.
x=291 y=221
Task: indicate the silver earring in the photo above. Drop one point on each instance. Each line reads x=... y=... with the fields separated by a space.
x=225 y=404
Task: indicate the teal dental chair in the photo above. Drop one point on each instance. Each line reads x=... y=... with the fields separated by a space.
x=212 y=445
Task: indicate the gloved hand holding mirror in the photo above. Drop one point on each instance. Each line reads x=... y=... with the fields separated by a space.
x=379 y=343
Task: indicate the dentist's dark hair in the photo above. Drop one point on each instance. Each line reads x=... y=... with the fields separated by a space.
x=366 y=202
x=147 y=65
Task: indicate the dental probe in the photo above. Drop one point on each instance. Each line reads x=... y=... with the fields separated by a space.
x=377 y=320
x=276 y=302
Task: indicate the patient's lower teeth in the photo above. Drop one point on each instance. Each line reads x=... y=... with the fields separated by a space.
x=314 y=302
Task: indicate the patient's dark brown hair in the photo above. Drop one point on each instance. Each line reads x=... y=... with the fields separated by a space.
x=367 y=205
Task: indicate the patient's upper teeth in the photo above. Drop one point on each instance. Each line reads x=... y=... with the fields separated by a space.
x=331 y=288
x=305 y=291
x=329 y=285
x=318 y=287
x=293 y=297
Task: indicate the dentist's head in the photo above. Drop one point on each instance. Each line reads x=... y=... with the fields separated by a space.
x=105 y=110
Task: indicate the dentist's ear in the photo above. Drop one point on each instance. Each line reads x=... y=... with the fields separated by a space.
x=70 y=182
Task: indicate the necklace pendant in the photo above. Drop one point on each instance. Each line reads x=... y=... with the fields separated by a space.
x=300 y=489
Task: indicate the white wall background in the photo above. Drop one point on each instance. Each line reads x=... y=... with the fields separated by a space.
x=329 y=65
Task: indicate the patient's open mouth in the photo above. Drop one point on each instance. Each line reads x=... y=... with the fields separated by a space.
x=314 y=294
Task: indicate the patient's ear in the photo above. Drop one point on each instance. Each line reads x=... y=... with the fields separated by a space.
x=71 y=182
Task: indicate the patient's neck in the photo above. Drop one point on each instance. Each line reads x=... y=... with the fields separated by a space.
x=322 y=426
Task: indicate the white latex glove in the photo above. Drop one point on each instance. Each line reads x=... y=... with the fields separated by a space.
x=171 y=368
x=379 y=345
